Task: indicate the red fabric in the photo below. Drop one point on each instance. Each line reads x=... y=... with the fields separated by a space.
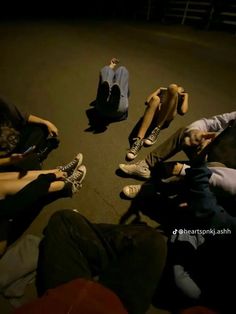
x=79 y=296
x=198 y=310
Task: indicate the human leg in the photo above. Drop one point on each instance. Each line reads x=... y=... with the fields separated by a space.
x=128 y=259
x=169 y=148
x=19 y=210
x=135 y=272
x=13 y=185
x=25 y=192
x=72 y=248
x=107 y=75
x=152 y=107
x=148 y=116
x=105 y=82
x=30 y=175
x=163 y=118
x=121 y=79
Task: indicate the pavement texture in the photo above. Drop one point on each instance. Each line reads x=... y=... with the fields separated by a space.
x=50 y=68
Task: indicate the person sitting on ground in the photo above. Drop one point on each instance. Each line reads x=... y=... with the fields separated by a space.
x=22 y=198
x=18 y=132
x=106 y=268
x=222 y=181
x=113 y=92
x=193 y=139
x=208 y=235
x=162 y=107
x=197 y=280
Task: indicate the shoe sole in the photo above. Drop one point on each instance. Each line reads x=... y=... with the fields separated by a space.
x=80 y=160
x=82 y=169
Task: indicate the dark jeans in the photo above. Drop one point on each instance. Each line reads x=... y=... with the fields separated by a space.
x=18 y=211
x=128 y=259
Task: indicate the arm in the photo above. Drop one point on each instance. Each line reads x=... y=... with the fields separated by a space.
x=157 y=92
x=185 y=283
x=214 y=124
x=52 y=129
x=184 y=106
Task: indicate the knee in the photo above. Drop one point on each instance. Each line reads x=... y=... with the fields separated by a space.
x=173 y=89
x=153 y=243
x=123 y=70
x=60 y=217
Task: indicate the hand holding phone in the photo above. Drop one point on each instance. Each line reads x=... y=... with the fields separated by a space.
x=29 y=150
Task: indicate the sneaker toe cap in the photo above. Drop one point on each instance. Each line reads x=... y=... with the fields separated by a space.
x=130 y=156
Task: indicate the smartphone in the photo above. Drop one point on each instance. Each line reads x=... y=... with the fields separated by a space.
x=29 y=150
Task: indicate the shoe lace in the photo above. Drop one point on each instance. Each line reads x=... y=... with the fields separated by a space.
x=134 y=189
x=70 y=165
x=154 y=134
x=136 y=146
x=76 y=177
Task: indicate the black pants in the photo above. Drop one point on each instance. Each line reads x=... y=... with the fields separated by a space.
x=128 y=259
x=18 y=211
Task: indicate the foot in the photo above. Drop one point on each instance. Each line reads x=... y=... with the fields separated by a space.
x=131 y=191
x=76 y=178
x=135 y=148
x=139 y=169
x=113 y=63
x=152 y=138
x=146 y=189
x=71 y=166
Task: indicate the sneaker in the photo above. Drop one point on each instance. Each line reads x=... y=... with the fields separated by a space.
x=131 y=191
x=71 y=166
x=133 y=152
x=152 y=138
x=76 y=178
x=146 y=189
x=140 y=169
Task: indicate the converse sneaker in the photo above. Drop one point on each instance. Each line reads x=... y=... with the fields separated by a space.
x=140 y=169
x=152 y=138
x=131 y=191
x=71 y=166
x=76 y=178
x=146 y=189
x=133 y=152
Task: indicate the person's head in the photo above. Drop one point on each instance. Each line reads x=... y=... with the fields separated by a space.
x=9 y=139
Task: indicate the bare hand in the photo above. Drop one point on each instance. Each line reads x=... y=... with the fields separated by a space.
x=52 y=129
